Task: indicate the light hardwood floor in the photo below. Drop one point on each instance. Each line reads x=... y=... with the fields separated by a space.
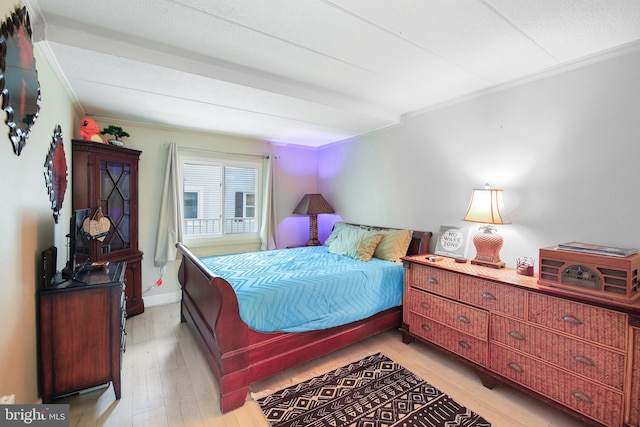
x=165 y=382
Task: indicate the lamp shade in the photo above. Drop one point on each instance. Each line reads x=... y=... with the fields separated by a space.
x=313 y=204
x=487 y=206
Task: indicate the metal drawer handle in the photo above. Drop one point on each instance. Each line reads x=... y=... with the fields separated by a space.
x=424 y=305
x=488 y=295
x=426 y=327
x=433 y=280
x=584 y=359
x=464 y=344
x=515 y=367
x=571 y=319
x=582 y=396
x=516 y=335
x=464 y=319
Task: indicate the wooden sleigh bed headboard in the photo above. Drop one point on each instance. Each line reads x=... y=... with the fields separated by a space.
x=238 y=355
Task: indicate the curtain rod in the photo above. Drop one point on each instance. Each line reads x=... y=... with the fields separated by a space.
x=202 y=150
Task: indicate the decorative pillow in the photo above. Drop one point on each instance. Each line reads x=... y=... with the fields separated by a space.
x=356 y=243
x=334 y=232
x=394 y=244
x=337 y=228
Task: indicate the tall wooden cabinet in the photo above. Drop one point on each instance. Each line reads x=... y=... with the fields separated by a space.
x=106 y=176
x=575 y=351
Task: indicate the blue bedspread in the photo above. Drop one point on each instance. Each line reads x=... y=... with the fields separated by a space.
x=304 y=289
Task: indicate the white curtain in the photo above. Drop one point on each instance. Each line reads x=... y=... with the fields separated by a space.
x=169 y=222
x=268 y=223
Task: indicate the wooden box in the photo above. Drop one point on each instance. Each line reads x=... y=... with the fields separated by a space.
x=609 y=277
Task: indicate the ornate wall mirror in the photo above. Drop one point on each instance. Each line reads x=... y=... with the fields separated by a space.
x=18 y=78
x=56 y=174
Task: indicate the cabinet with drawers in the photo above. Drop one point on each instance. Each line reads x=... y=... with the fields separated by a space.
x=82 y=331
x=576 y=352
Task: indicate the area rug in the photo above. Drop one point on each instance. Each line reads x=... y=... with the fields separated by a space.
x=372 y=392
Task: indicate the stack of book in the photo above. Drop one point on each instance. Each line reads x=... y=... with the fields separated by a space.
x=597 y=249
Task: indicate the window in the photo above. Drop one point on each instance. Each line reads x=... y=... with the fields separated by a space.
x=192 y=201
x=219 y=198
x=250 y=205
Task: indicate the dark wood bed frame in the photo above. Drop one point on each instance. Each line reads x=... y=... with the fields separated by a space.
x=239 y=356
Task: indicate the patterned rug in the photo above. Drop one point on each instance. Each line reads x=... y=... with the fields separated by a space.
x=373 y=392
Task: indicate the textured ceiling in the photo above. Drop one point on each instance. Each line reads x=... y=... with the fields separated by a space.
x=310 y=72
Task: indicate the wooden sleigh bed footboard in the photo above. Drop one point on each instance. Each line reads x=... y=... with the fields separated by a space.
x=238 y=355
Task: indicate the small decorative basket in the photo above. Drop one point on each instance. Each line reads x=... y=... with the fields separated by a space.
x=524 y=266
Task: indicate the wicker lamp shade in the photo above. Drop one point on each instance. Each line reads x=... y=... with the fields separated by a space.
x=312 y=205
x=487 y=207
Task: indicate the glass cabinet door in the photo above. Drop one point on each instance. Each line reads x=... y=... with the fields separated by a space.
x=115 y=201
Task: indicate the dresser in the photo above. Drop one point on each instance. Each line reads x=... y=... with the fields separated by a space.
x=82 y=331
x=106 y=176
x=577 y=352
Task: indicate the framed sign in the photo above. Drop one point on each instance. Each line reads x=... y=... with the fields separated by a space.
x=453 y=241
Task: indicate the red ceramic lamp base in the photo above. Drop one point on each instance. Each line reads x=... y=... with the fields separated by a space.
x=488 y=247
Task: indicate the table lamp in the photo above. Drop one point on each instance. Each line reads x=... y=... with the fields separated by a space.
x=487 y=207
x=312 y=205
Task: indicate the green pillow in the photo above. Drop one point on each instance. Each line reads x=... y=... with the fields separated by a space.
x=334 y=232
x=337 y=228
x=355 y=242
x=394 y=244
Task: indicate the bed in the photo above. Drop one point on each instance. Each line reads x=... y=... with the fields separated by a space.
x=238 y=354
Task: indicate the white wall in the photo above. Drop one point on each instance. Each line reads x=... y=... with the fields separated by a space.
x=27 y=228
x=297 y=175
x=565 y=148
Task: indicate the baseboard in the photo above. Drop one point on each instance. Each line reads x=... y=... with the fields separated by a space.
x=162 y=299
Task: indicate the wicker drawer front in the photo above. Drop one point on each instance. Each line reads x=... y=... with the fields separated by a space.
x=462 y=317
x=492 y=296
x=589 y=322
x=634 y=407
x=598 y=402
x=600 y=364
x=432 y=280
x=461 y=344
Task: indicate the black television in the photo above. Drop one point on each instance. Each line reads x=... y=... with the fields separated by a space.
x=78 y=251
